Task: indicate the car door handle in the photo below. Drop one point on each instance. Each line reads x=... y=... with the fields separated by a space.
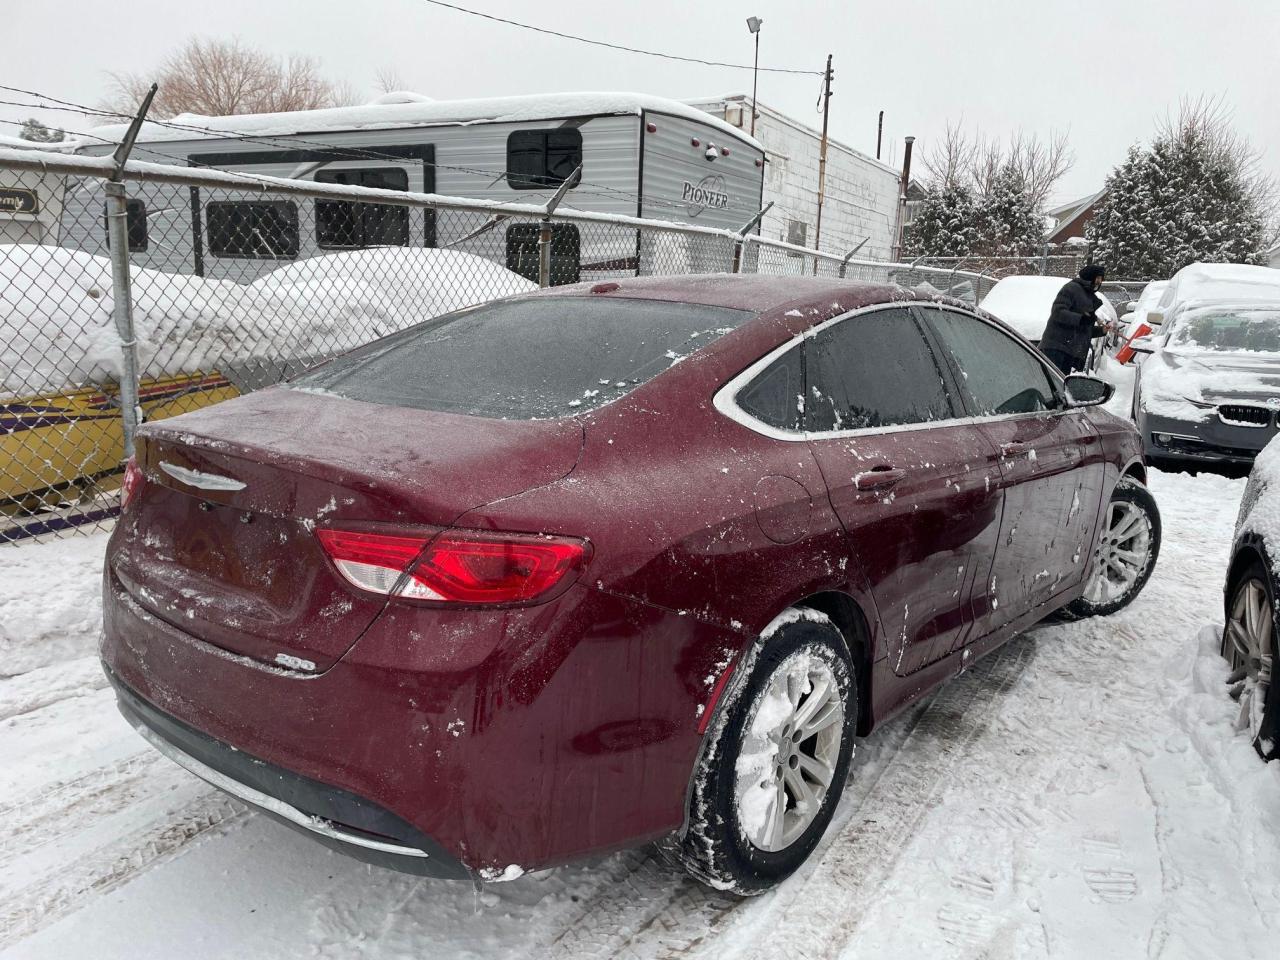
x=878 y=478
x=1013 y=449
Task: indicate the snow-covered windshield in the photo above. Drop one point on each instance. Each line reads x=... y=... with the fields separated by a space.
x=526 y=359
x=1229 y=329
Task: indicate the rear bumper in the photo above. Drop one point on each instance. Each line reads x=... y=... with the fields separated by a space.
x=533 y=736
x=336 y=817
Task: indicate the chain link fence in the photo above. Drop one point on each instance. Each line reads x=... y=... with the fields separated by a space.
x=236 y=283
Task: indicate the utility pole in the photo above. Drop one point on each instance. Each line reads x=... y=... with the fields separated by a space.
x=753 y=24
x=822 y=158
x=879 y=134
x=904 y=186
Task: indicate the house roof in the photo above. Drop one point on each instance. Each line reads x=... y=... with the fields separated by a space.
x=1068 y=214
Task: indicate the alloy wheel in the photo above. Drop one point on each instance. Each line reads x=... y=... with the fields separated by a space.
x=1122 y=553
x=1249 y=635
x=789 y=753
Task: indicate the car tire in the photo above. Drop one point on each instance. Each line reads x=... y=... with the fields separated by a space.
x=1248 y=638
x=738 y=838
x=1125 y=553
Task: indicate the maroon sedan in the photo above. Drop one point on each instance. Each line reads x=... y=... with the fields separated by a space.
x=605 y=565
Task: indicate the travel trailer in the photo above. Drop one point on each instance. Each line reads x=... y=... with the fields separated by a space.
x=640 y=156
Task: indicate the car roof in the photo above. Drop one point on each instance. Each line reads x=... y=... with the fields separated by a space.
x=755 y=292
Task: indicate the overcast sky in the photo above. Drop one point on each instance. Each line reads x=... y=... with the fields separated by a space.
x=1105 y=70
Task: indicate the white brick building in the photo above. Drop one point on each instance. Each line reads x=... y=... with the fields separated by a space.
x=861 y=193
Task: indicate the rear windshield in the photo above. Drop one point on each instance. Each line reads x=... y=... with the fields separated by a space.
x=526 y=359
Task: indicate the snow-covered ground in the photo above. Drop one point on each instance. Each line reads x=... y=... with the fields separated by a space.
x=1080 y=793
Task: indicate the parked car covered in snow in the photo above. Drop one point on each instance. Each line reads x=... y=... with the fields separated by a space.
x=1209 y=393
x=1138 y=310
x=1216 y=283
x=1251 y=592
x=608 y=564
x=1025 y=303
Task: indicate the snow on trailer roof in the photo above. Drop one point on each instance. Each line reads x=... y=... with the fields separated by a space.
x=418 y=111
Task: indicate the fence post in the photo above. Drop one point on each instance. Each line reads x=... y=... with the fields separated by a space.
x=844 y=264
x=544 y=234
x=742 y=237
x=122 y=312
x=121 y=289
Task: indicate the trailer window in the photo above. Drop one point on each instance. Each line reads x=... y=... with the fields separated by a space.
x=566 y=251
x=253 y=229
x=135 y=224
x=351 y=223
x=537 y=159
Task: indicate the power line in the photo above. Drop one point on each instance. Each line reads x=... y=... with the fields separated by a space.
x=617 y=46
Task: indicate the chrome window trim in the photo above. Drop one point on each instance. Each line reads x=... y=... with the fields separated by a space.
x=725 y=399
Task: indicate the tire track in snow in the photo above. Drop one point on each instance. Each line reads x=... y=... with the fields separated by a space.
x=657 y=913
x=863 y=855
x=47 y=814
x=63 y=890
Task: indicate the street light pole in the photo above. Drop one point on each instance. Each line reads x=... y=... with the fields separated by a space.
x=753 y=24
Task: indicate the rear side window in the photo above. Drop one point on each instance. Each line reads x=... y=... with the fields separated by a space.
x=566 y=252
x=537 y=159
x=526 y=359
x=873 y=370
x=254 y=229
x=348 y=224
x=135 y=224
x=997 y=374
x=776 y=396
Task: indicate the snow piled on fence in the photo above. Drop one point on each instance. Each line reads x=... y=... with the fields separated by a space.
x=57 y=329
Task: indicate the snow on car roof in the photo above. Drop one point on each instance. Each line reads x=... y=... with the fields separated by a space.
x=1222 y=281
x=1024 y=303
x=407 y=110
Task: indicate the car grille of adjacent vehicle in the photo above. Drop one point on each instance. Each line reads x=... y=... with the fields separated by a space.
x=1243 y=415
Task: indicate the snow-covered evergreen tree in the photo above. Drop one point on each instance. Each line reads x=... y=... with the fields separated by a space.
x=945 y=225
x=37 y=132
x=1188 y=197
x=1009 y=223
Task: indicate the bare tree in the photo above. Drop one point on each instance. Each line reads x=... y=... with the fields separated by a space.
x=978 y=162
x=949 y=161
x=388 y=79
x=224 y=77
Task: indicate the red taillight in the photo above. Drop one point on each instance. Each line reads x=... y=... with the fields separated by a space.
x=131 y=483
x=465 y=567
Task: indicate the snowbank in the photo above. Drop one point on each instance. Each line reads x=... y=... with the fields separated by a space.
x=57 y=329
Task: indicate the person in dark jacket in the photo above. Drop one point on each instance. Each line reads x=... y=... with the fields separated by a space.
x=1073 y=321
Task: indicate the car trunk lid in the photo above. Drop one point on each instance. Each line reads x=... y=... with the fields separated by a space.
x=221 y=541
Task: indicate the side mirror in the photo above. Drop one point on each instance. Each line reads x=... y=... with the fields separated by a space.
x=1084 y=391
x=1155 y=317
